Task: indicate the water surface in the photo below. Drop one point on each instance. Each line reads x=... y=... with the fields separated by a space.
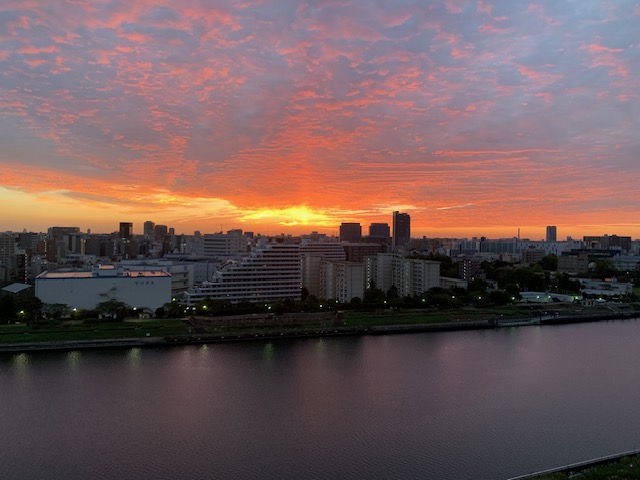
x=449 y=405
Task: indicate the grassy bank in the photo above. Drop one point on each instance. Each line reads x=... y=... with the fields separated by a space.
x=90 y=331
x=626 y=468
x=264 y=324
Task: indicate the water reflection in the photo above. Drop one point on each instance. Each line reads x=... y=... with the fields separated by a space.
x=21 y=363
x=203 y=351
x=73 y=359
x=268 y=353
x=133 y=357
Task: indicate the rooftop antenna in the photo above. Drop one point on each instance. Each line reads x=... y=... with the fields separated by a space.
x=518 y=233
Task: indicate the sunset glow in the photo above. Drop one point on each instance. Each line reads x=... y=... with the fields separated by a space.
x=476 y=117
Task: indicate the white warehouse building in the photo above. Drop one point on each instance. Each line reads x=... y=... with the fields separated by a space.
x=149 y=289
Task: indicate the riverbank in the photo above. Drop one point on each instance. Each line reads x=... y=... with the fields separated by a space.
x=624 y=465
x=206 y=330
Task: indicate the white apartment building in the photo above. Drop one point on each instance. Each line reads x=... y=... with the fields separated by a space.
x=149 y=289
x=313 y=253
x=379 y=270
x=414 y=276
x=224 y=245
x=341 y=281
x=411 y=276
x=272 y=272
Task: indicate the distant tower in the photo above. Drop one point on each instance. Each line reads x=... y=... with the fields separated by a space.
x=401 y=229
x=160 y=232
x=148 y=229
x=126 y=230
x=350 y=232
x=552 y=232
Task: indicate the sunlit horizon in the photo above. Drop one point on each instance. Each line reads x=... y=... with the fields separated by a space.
x=300 y=220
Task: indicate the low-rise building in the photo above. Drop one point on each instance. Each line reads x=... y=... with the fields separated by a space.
x=149 y=289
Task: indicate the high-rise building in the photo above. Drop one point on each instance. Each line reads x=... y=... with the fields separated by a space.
x=313 y=254
x=379 y=230
x=552 y=232
x=126 y=230
x=379 y=233
x=148 y=229
x=160 y=232
x=350 y=232
x=341 y=281
x=401 y=229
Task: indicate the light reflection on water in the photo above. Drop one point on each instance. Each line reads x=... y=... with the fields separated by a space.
x=20 y=364
x=268 y=353
x=134 y=356
x=73 y=359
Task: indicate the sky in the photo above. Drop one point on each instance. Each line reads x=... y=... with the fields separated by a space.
x=475 y=117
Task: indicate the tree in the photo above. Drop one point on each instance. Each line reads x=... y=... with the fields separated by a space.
x=114 y=309
x=392 y=293
x=28 y=307
x=549 y=262
x=7 y=307
x=374 y=295
x=499 y=297
x=604 y=269
x=173 y=309
x=56 y=310
x=311 y=304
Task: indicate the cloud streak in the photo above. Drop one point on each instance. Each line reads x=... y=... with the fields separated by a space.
x=323 y=111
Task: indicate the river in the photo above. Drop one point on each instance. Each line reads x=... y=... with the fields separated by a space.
x=488 y=404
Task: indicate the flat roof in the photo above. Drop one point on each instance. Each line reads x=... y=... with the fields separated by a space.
x=16 y=287
x=87 y=274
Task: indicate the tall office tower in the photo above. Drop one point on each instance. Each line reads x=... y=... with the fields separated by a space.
x=552 y=233
x=350 y=232
x=126 y=230
x=160 y=231
x=148 y=229
x=401 y=229
x=379 y=230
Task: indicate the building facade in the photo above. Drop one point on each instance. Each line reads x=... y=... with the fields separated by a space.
x=272 y=272
x=401 y=229
x=341 y=281
x=149 y=289
x=411 y=276
x=312 y=254
x=552 y=233
x=350 y=232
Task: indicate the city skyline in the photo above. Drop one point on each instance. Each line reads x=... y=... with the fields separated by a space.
x=475 y=118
